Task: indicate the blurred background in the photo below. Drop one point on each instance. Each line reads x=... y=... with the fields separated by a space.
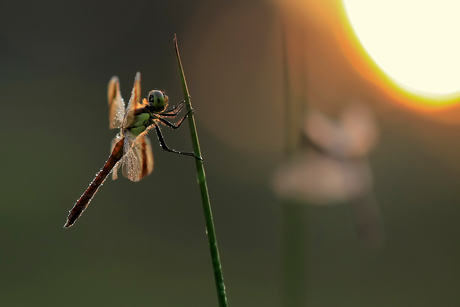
x=253 y=69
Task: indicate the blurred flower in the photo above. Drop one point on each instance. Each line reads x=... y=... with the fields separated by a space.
x=334 y=168
x=321 y=180
x=354 y=136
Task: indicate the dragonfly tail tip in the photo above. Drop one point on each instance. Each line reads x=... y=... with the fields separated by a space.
x=67 y=225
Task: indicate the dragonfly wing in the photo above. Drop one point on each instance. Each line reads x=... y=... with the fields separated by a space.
x=134 y=102
x=138 y=158
x=117 y=166
x=146 y=155
x=131 y=168
x=116 y=103
x=144 y=148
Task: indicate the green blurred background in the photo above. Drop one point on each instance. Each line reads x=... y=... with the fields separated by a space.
x=144 y=244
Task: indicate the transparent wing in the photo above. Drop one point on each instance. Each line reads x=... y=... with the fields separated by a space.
x=116 y=103
x=146 y=155
x=138 y=157
x=134 y=102
x=131 y=164
x=117 y=166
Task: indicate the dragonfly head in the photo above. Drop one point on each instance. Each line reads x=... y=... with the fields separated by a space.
x=157 y=100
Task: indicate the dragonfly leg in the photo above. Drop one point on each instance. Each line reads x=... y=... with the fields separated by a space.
x=171 y=125
x=175 y=110
x=166 y=148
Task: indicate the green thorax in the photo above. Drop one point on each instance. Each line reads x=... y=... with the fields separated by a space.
x=140 y=123
x=157 y=103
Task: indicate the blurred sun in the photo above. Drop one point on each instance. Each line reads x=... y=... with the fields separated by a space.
x=415 y=42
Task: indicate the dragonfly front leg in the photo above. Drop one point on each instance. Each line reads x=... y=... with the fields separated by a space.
x=171 y=125
x=166 y=148
x=175 y=110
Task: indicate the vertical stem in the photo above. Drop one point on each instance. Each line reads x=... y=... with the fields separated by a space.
x=218 y=276
x=295 y=254
x=294 y=223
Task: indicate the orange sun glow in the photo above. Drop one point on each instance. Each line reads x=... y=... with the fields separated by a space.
x=408 y=46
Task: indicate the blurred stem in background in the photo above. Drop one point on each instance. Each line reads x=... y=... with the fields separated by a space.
x=218 y=275
x=294 y=215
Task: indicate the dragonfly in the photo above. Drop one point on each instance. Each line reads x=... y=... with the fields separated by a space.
x=131 y=149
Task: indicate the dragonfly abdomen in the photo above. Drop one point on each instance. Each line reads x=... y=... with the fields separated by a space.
x=84 y=200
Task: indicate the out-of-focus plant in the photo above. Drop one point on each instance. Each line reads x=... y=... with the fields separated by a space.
x=332 y=168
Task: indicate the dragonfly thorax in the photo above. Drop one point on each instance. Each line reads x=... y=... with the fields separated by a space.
x=140 y=123
x=157 y=101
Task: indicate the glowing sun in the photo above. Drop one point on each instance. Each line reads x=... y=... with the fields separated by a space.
x=415 y=42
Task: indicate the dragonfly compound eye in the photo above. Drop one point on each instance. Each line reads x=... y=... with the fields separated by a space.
x=157 y=100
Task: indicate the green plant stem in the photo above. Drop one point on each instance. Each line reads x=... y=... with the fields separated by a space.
x=218 y=276
x=295 y=254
